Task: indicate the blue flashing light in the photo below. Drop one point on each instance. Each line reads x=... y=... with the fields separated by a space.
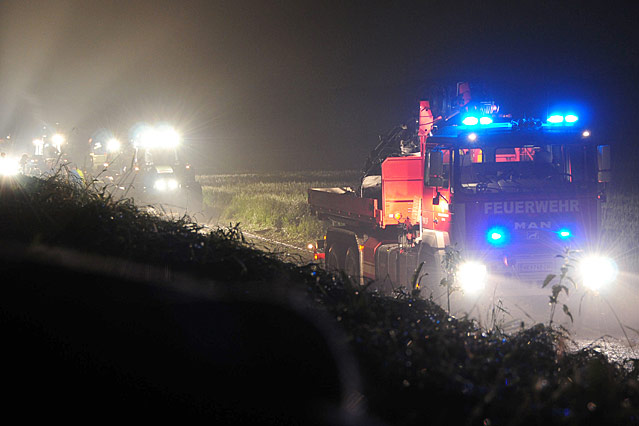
x=485 y=120
x=556 y=119
x=470 y=121
x=497 y=236
x=564 y=233
x=571 y=118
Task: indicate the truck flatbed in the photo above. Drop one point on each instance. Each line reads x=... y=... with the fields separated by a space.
x=343 y=204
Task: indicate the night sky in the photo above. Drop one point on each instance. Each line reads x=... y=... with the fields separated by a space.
x=274 y=85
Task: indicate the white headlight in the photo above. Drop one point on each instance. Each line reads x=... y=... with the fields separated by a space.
x=166 y=184
x=167 y=137
x=597 y=271
x=9 y=166
x=471 y=277
x=160 y=185
x=57 y=139
x=161 y=137
x=113 y=145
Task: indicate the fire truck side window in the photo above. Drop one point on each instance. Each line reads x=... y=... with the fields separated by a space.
x=447 y=166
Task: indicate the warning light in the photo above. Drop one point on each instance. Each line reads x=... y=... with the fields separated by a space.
x=564 y=233
x=571 y=118
x=497 y=236
x=556 y=119
x=485 y=120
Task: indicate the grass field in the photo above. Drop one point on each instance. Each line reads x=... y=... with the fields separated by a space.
x=271 y=204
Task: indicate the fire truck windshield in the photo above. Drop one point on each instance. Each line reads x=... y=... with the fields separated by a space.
x=525 y=168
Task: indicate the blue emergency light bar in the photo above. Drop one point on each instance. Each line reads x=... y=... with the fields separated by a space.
x=471 y=120
x=562 y=119
x=564 y=126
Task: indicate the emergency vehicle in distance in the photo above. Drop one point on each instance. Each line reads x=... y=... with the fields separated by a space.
x=150 y=169
x=510 y=195
x=161 y=177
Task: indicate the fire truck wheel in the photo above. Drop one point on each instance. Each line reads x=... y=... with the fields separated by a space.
x=332 y=260
x=351 y=264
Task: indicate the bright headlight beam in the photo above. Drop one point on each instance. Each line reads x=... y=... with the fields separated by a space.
x=471 y=277
x=597 y=272
x=172 y=184
x=113 y=145
x=168 y=137
x=163 y=184
x=9 y=166
x=160 y=137
x=57 y=139
x=160 y=185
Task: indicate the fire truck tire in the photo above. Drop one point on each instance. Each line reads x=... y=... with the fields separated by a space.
x=332 y=259
x=351 y=264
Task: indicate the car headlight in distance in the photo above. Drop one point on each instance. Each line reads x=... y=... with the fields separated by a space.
x=597 y=272
x=471 y=277
x=9 y=166
x=160 y=185
x=172 y=184
x=166 y=185
x=113 y=145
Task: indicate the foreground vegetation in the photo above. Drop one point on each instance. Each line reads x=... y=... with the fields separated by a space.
x=418 y=365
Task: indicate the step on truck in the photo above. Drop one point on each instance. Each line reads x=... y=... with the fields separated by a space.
x=507 y=195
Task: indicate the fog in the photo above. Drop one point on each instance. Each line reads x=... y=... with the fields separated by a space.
x=259 y=85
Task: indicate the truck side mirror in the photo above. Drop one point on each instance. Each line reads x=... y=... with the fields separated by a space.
x=434 y=168
x=603 y=163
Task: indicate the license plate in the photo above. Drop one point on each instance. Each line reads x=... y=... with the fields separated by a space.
x=535 y=267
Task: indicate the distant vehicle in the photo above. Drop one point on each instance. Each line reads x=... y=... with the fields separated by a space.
x=510 y=195
x=160 y=177
x=109 y=159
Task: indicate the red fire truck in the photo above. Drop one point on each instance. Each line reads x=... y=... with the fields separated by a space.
x=508 y=195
